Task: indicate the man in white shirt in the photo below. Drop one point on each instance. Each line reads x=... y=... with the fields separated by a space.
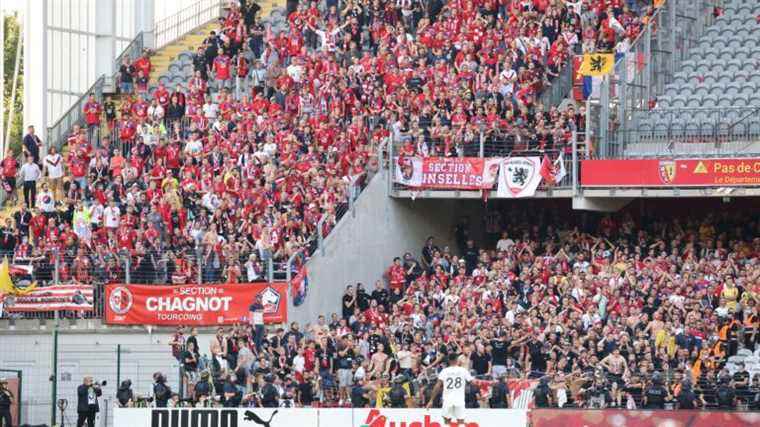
x=111 y=215
x=30 y=173
x=46 y=201
x=53 y=166
x=452 y=381
x=210 y=109
x=194 y=146
x=505 y=242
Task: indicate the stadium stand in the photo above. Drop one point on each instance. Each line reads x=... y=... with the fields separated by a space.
x=318 y=117
x=709 y=107
x=244 y=151
x=604 y=308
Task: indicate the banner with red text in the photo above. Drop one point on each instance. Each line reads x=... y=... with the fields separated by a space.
x=193 y=304
x=51 y=298
x=452 y=173
x=671 y=173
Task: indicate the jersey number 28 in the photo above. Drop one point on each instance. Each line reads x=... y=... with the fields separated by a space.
x=453 y=383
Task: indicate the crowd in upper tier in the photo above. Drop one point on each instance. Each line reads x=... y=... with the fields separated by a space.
x=238 y=165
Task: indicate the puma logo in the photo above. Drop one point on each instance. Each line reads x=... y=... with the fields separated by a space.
x=251 y=416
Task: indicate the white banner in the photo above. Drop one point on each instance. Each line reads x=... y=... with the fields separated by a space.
x=282 y=417
x=519 y=177
x=408 y=171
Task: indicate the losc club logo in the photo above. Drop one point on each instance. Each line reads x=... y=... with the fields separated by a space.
x=520 y=174
x=270 y=298
x=120 y=300
x=667 y=171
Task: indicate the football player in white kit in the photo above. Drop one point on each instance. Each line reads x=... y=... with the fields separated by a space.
x=452 y=380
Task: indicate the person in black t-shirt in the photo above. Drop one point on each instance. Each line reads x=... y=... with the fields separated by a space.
x=109 y=108
x=655 y=395
x=542 y=395
x=686 y=397
x=305 y=391
x=499 y=351
x=349 y=302
x=189 y=359
x=500 y=397
x=380 y=294
x=725 y=394
x=471 y=255
x=481 y=360
x=6 y=400
x=232 y=396
x=359 y=394
x=740 y=380
x=362 y=299
x=537 y=355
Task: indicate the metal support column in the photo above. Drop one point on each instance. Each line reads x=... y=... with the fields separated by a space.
x=54 y=378
x=622 y=87
x=118 y=365
x=575 y=164
x=647 y=72
x=604 y=117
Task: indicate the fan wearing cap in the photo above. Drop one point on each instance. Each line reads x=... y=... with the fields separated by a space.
x=6 y=400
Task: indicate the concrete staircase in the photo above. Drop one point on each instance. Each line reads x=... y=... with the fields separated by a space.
x=165 y=56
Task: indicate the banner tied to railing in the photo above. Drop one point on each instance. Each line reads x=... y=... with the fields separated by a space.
x=515 y=176
x=50 y=298
x=195 y=304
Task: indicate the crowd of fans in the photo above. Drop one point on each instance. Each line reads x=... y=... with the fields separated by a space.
x=237 y=166
x=629 y=311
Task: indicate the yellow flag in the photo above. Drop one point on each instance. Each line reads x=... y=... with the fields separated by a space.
x=597 y=64
x=6 y=285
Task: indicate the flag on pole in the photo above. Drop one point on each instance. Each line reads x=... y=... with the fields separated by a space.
x=6 y=283
x=546 y=170
x=597 y=64
x=300 y=287
x=559 y=169
x=553 y=172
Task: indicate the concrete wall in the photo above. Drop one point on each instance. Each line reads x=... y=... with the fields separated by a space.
x=363 y=244
x=83 y=353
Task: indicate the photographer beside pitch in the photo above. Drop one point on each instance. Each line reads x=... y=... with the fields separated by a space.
x=6 y=400
x=87 y=402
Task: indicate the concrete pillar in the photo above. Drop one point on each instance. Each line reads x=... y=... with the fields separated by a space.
x=35 y=52
x=105 y=40
x=145 y=12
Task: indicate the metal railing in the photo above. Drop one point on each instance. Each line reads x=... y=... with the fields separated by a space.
x=641 y=73
x=59 y=131
x=505 y=144
x=188 y=19
x=133 y=51
x=560 y=86
x=704 y=132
